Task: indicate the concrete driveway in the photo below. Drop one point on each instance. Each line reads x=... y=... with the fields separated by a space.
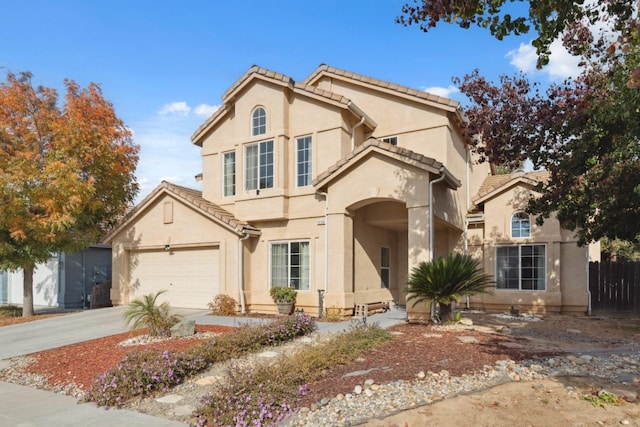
x=53 y=332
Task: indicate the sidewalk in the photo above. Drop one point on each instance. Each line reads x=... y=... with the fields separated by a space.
x=22 y=406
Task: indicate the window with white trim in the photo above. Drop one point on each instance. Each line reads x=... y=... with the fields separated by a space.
x=229 y=174
x=289 y=264
x=385 y=268
x=393 y=140
x=303 y=161
x=521 y=267
x=258 y=166
x=258 y=122
x=520 y=225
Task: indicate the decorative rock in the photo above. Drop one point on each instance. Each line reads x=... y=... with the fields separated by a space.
x=169 y=398
x=183 y=410
x=304 y=410
x=466 y=321
x=625 y=422
x=268 y=354
x=358 y=389
x=421 y=375
x=368 y=392
x=375 y=387
x=468 y=339
x=340 y=397
x=325 y=401
x=314 y=407
x=432 y=335
x=368 y=383
x=207 y=380
x=183 y=328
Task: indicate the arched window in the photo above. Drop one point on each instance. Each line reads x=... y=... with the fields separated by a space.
x=258 y=122
x=520 y=225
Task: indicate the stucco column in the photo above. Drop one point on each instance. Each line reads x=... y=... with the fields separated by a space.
x=418 y=251
x=340 y=282
x=418 y=235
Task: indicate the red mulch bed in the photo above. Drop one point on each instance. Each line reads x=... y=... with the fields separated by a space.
x=81 y=363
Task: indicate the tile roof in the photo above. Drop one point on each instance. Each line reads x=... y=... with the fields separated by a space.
x=323 y=68
x=495 y=182
x=191 y=197
x=278 y=78
x=392 y=149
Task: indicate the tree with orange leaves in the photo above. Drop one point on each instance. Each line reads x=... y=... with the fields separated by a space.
x=66 y=172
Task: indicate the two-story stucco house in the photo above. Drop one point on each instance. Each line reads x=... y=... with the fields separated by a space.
x=337 y=185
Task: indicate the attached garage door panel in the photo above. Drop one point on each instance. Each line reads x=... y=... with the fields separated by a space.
x=190 y=276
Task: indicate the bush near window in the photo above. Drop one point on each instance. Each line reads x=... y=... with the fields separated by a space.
x=142 y=373
x=283 y=294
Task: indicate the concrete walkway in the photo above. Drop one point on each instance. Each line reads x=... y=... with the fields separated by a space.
x=22 y=406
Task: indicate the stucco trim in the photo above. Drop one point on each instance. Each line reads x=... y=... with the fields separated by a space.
x=256 y=72
x=402 y=154
x=191 y=198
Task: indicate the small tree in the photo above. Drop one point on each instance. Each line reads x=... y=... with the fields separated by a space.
x=445 y=280
x=145 y=312
x=66 y=172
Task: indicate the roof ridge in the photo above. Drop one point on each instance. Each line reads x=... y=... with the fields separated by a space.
x=384 y=84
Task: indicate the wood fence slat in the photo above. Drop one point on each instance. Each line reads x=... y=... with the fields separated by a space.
x=615 y=286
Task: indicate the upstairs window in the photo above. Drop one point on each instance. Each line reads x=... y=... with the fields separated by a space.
x=258 y=122
x=393 y=140
x=303 y=161
x=229 y=172
x=520 y=225
x=259 y=165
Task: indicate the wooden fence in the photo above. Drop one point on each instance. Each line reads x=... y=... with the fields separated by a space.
x=615 y=286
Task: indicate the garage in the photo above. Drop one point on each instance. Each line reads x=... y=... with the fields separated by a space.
x=190 y=276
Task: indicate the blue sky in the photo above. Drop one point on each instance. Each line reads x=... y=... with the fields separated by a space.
x=165 y=64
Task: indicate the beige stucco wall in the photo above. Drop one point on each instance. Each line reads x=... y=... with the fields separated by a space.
x=566 y=286
x=189 y=229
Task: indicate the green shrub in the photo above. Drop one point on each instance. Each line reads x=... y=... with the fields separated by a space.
x=223 y=305
x=145 y=312
x=10 y=311
x=283 y=294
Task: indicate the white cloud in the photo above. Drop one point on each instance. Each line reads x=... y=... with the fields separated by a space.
x=204 y=110
x=445 y=92
x=561 y=63
x=523 y=58
x=178 y=108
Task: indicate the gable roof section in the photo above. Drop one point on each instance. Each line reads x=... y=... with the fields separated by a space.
x=193 y=199
x=497 y=184
x=402 y=154
x=259 y=73
x=436 y=101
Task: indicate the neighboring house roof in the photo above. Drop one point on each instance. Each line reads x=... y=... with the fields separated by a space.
x=193 y=198
x=256 y=72
x=496 y=184
x=381 y=85
x=407 y=156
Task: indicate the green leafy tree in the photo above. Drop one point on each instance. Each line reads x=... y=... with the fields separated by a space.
x=445 y=280
x=66 y=172
x=145 y=312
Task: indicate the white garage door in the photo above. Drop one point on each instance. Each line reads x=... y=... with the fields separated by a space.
x=190 y=276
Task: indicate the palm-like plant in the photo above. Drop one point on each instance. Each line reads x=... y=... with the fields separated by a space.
x=445 y=280
x=144 y=312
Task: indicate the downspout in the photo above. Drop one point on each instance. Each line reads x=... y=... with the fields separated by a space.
x=431 y=231
x=353 y=129
x=588 y=290
x=241 y=272
x=431 y=226
x=466 y=219
x=326 y=244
